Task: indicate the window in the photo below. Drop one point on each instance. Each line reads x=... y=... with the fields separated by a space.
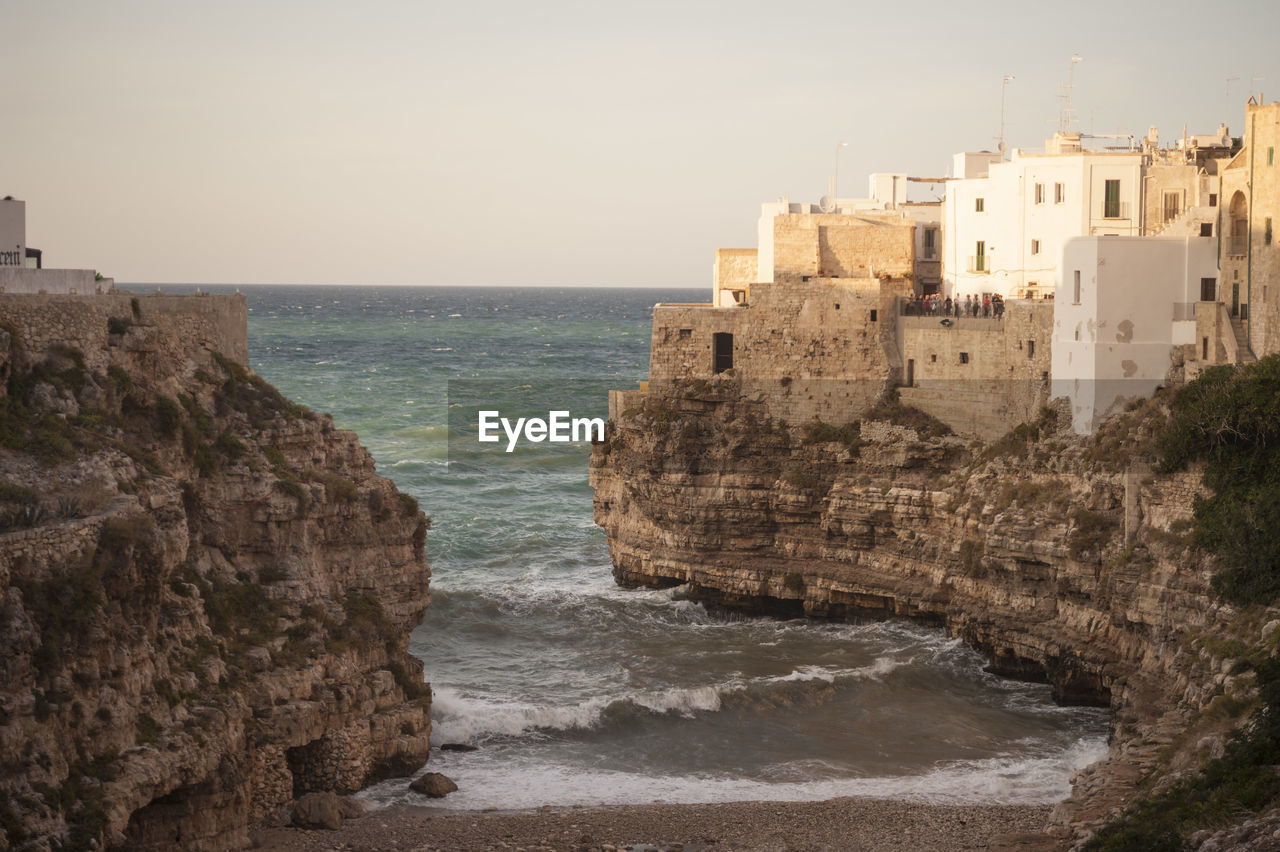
x=1271 y=156
x=964 y=357
x=1237 y=214
x=1031 y=349
x=1266 y=237
x=1206 y=229
x=979 y=205
x=722 y=349
x=1035 y=246
x=979 y=257
x=1208 y=289
x=933 y=359
x=1111 y=201
x=873 y=314
x=1213 y=199
x=685 y=333
x=1059 y=193
x=1076 y=300
x=1172 y=205
x=930 y=243
x=1039 y=193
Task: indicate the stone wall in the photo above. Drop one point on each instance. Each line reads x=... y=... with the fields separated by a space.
x=64 y=282
x=980 y=376
x=820 y=348
x=842 y=246
x=163 y=334
x=735 y=269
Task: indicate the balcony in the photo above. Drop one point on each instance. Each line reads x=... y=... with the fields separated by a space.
x=978 y=263
x=1116 y=211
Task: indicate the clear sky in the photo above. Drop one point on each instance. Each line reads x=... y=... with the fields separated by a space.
x=549 y=142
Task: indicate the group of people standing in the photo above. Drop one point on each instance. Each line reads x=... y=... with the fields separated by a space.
x=990 y=305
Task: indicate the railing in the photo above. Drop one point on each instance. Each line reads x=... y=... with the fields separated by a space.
x=978 y=263
x=1115 y=211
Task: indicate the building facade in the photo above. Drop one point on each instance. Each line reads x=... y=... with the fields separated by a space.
x=1250 y=214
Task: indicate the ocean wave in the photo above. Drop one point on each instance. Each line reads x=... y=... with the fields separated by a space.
x=459 y=718
x=495 y=781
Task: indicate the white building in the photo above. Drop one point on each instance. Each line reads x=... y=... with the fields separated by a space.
x=1123 y=305
x=1006 y=223
x=21 y=268
x=13 y=233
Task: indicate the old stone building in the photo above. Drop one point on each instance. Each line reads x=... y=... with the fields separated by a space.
x=1250 y=264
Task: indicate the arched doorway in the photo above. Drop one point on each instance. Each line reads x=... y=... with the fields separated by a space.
x=1239 y=215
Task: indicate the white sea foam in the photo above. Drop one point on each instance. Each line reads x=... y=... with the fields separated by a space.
x=492 y=781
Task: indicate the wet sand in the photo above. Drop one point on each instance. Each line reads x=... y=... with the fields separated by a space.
x=843 y=824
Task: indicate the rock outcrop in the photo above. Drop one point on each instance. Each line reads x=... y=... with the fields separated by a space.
x=1063 y=559
x=206 y=590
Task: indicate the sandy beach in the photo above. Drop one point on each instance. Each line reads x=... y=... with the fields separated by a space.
x=844 y=824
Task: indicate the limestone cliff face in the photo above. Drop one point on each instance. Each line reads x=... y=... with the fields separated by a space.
x=1038 y=551
x=206 y=591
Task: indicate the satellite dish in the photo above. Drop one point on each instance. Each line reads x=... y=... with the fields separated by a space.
x=826 y=204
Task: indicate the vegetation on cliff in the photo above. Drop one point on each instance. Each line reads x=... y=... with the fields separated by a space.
x=1228 y=419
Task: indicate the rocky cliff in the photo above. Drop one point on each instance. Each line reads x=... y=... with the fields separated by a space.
x=206 y=590
x=1063 y=559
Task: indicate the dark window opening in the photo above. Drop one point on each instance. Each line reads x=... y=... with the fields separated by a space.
x=722 y=346
x=1204 y=349
x=933 y=359
x=837 y=306
x=685 y=332
x=873 y=314
x=1111 y=200
x=964 y=357
x=1208 y=289
x=1213 y=199
x=1206 y=229
x=1031 y=349
x=911 y=372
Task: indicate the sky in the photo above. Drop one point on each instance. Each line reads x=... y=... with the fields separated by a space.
x=546 y=143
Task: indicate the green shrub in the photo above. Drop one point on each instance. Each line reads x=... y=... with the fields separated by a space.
x=1090 y=531
x=12 y=492
x=1229 y=418
x=117 y=325
x=167 y=415
x=120 y=377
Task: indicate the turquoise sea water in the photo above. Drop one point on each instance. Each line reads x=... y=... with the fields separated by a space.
x=576 y=691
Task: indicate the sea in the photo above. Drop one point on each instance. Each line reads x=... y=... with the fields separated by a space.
x=570 y=689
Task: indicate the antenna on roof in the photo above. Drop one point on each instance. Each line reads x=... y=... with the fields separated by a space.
x=1068 y=114
x=1004 y=84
